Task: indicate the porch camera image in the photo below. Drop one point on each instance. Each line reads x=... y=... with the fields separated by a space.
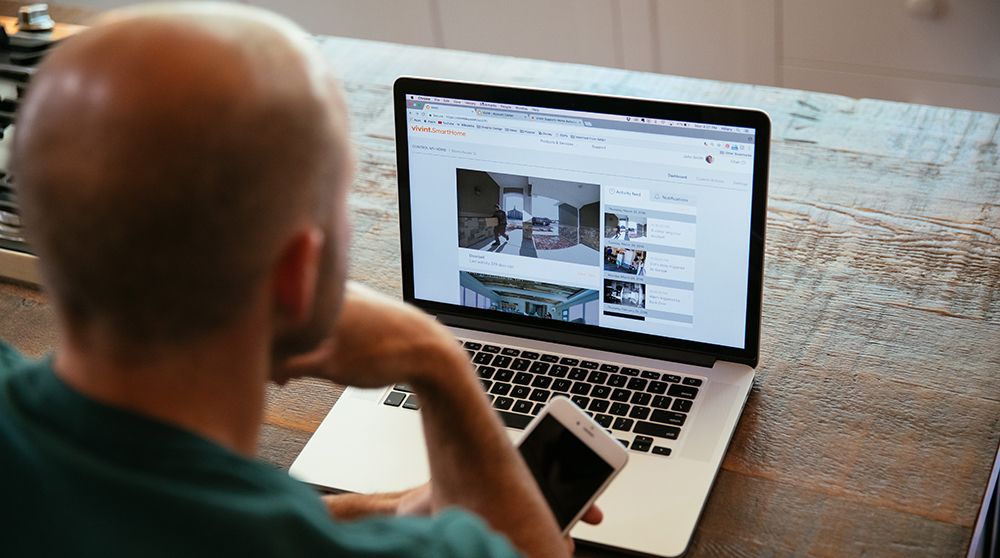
x=529 y=216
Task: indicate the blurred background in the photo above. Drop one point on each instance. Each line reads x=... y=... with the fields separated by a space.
x=939 y=52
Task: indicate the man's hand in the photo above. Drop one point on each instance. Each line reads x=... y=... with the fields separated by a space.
x=377 y=341
x=417 y=501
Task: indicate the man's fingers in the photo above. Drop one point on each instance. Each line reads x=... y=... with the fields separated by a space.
x=593 y=516
x=312 y=361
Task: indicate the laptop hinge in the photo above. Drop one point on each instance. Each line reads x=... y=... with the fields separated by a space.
x=578 y=340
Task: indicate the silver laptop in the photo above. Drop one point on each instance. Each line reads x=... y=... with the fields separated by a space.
x=604 y=248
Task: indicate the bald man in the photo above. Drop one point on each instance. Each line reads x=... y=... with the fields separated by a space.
x=182 y=173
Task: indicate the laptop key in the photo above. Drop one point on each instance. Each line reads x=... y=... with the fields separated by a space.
x=650 y=375
x=578 y=374
x=597 y=377
x=561 y=385
x=620 y=409
x=491 y=348
x=623 y=424
x=549 y=358
x=672 y=378
x=472 y=345
x=395 y=398
x=580 y=401
x=641 y=398
x=588 y=364
x=403 y=387
x=538 y=408
x=682 y=405
x=580 y=388
x=540 y=367
x=600 y=391
x=510 y=352
x=411 y=402
x=503 y=403
x=501 y=361
x=520 y=364
x=529 y=355
x=522 y=406
x=541 y=382
x=661 y=450
x=472 y=354
x=629 y=371
x=641 y=413
x=668 y=417
x=691 y=382
x=486 y=384
x=617 y=380
x=486 y=372
x=522 y=378
x=658 y=430
x=500 y=388
x=610 y=367
x=657 y=387
x=504 y=375
x=482 y=358
x=604 y=420
x=637 y=384
x=514 y=420
x=662 y=402
x=520 y=392
x=569 y=361
x=558 y=371
x=687 y=392
x=641 y=443
x=540 y=395
x=599 y=405
x=621 y=395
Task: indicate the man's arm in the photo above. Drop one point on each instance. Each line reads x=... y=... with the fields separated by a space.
x=349 y=507
x=379 y=341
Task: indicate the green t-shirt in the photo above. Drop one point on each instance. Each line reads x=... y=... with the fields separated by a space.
x=80 y=478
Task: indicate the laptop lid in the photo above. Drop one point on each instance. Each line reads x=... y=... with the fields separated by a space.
x=621 y=224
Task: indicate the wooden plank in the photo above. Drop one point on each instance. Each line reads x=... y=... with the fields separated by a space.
x=873 y=423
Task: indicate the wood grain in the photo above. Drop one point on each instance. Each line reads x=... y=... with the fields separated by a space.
x=876 y=413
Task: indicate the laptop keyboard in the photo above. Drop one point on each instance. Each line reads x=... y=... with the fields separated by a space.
x=641 y=408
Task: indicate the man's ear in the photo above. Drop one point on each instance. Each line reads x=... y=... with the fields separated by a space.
x=295 y=276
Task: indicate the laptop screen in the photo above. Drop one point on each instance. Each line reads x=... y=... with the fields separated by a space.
x=617 y=221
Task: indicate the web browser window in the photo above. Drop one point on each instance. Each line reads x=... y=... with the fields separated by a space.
x=622 y=222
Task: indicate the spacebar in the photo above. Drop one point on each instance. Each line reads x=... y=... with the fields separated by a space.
x=515 y=420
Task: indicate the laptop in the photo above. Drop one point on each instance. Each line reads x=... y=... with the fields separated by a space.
x=608 y=249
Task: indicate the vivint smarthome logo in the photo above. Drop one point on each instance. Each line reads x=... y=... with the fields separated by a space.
x=432 y=130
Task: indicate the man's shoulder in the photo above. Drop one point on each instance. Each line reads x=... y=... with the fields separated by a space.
x=10 y=358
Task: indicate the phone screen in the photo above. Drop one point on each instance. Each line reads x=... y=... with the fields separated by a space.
x=566 y=470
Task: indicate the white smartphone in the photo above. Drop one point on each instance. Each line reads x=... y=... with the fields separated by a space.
x=572 y=458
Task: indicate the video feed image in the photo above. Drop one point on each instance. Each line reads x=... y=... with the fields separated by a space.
x=529 y=216
x=624 y=293
x=625 y=260
x=622 y=226
x=529 y=298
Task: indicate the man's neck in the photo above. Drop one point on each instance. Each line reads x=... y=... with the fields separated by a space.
x=214 y=387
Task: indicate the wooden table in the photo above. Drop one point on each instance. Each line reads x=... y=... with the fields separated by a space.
x=876 y=413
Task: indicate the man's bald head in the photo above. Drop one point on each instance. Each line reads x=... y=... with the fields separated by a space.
x=163 y=157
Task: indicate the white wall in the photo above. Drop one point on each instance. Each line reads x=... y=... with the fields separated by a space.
x=944 y=52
